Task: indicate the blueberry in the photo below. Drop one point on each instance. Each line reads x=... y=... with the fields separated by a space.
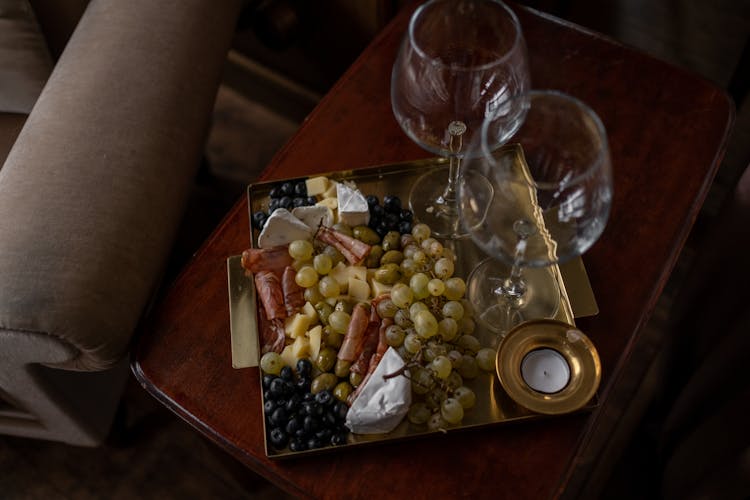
x=404 y=227
x=338 y=439
x=297 y=444
x=372 y=200
x=382 y=229
x=300 y=189
x=275 y=192
x=269 y=407
x=406 y=215
x=273 y=205
x=330 y=419
x=304 y=367
x=286 y=202
x=278 y=388
x=392 y=203
x=313 y=443
x=324 y=398
x=278 y=438
x=391 y=220
x=287 y=373
x=341 y=410
x=287 y=189
x=298 y=201
x=293 y=403
x=308 y=397
x=267 y=379
x=324 y=435
x=289 y=387
x=311 y=424
x=259 y=219
x=279 y=416
x=311 y=200
x=293 y=425
x=377 y=211
x=303 y=385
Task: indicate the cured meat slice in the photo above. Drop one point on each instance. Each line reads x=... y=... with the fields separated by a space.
x=294 y=295
x=354 y=250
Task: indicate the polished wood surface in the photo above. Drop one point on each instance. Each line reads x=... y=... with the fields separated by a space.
x=667 y=132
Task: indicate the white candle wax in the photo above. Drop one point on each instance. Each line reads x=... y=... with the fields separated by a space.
x=545 y=370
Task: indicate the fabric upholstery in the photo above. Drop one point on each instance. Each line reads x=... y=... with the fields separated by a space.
x=25 y=62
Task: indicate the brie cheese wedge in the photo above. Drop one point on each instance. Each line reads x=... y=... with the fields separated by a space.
x=314 y=216
x=353 y=209
x=282 y=228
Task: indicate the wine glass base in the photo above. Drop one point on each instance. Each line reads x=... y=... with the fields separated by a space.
x=430 y=207
x=498 y=313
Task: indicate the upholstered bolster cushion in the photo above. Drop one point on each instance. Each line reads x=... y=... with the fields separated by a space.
x=94 y=188
x=25 y=62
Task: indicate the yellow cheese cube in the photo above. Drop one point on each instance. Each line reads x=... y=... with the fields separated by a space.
x=331 y=203
x=379 y=288
x=341 y=274
x=297 y=325
x=359 y=289
x=315 y=335
x=309 y=310
x=287 y=356
x=301 y=347
x=331 y=192
x=357 y=272
x=316 y=185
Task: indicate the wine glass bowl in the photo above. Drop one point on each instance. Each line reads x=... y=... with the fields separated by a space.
x=552 y=191
x=460 y=62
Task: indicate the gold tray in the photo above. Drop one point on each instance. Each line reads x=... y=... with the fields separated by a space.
x=493 y=405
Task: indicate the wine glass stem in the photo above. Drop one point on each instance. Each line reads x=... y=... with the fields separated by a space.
x=447 y=200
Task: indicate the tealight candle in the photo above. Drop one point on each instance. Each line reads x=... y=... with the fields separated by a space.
x=545 y=370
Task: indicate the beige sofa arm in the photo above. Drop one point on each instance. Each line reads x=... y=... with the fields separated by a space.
x=93 y=190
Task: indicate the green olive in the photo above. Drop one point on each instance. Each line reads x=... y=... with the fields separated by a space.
x=342 y=228
x=326 y=359
x=331 y=338
x=392 y=241
x=324 y=309
x=344 y=305
x=392 y=257
x=342 y=368
x=373 y=258
x=342 y=390
x=388 y=274
x=324 y=382
x=366 y=234
x=355 y=379
x=334 y=254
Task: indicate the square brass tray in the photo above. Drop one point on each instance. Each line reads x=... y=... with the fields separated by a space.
x=493 y=405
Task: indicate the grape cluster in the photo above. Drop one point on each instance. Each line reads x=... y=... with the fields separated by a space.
x=295 y=416
x=287 y=195
x=390 y=216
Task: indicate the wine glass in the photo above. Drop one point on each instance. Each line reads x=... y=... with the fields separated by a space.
x=551 y=197
x=460 y=62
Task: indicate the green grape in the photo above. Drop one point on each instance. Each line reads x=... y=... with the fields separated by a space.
x=334 y=254
x=436 y=422
x=449 y=254
x=442 y=367
x=454 y=288
x=394 y=336
x=422 y=381
x=322 y=263
x=419 y=258
x=386 y=308
x=409 y=251
x=454 y=381
x=468 y=368
x=412 y=343
x=432 y=247
x=401 y=295
x=402 y=318
x=313 y=295
x=434 y=398
x=447 y=329
x=306 y=277
x=418 y=284
x=467 y=326
x=468 y=308
x=329 y=287
x=418 y=413
x=339 y=321
x=301 y=250
x=271 y=363
x=299 y=264
x=452 y=411
x=486 y=359
x=408 y=268
x=465 y=396
x=436 y=287
x=443 y=268
x=420 y=232
x=416 y=307
x=453 y=309
x=455 y=357
x=425 y=324
x=469 y=343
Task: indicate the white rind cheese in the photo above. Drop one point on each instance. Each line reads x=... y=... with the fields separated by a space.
x=314 y=216
x=282 y=228
x=353 y=209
